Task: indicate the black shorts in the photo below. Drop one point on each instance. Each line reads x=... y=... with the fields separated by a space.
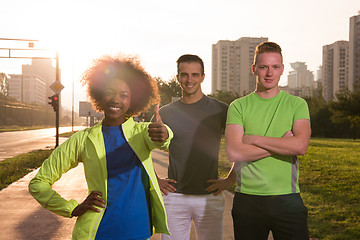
x=254 y=216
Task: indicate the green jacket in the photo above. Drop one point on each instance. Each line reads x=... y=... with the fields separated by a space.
x=88 y=147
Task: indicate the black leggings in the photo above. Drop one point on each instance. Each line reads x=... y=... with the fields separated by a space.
x=254 y=216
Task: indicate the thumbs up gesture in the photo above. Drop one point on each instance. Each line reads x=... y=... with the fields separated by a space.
x=157 y=129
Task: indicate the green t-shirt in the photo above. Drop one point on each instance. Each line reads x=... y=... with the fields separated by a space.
x=277 y=174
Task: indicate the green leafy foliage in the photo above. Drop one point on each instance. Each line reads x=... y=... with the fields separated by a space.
x=225 y=96
x=168 y=89
x=336 y=119
x=346 y=108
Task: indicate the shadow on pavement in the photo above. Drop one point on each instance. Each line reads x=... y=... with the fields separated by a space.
x=41 y=224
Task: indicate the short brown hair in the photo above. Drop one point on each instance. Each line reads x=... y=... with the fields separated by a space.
x=144 y=90
x=267 y=47
x=191 y=58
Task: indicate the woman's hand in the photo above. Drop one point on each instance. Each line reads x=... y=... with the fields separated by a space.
x=92 y=201
x=157 y=129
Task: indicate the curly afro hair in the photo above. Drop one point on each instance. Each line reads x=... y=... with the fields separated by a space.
x=144 y=91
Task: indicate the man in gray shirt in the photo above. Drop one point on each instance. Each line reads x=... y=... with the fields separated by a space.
x=193 y=190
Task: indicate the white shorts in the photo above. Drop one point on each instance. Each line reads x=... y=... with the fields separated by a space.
x=205 y=210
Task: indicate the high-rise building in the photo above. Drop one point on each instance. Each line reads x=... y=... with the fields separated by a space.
x=318 y=81
x=300 y=76
x=15 y=86
x=335 y=69
x=318 y=73
x=231 y=65
x=44 y=69
x=354 y=51
x=300 y=80
x=27 y=88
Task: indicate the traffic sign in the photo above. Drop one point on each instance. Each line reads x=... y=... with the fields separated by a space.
x=57 y=87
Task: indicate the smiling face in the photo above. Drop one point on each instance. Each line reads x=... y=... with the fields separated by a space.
x=190 y=78
x=268 y=70
x=116 y=102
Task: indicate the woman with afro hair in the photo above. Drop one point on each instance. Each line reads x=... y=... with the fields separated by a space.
x=124 y=200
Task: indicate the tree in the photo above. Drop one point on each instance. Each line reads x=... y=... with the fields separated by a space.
x=4 y=84
x=316 y=102
x=225 y=96
x=321 y=125
x=168 y=89
x=346 y=108
x=4 y=92
x=321 y=119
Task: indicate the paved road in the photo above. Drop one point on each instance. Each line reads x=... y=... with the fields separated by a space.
x=23 y=218
x=18 y=142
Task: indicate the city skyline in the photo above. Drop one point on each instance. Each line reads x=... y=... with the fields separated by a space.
x=160 y=31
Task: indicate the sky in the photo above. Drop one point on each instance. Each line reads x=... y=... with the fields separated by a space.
x=159 y=31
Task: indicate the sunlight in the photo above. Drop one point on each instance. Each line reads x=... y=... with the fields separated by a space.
x=78 y=36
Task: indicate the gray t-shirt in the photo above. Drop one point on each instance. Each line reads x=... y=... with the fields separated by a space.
x=194 y=150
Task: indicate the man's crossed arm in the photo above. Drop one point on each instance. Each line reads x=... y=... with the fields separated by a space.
x=240 y=147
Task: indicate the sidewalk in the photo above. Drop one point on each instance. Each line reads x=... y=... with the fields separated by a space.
x=24 y=218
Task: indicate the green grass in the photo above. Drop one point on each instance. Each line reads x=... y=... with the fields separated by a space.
x=22 y=128
x=330 y=187
x=12 y=169
x=17 y=128
x=67 y=134
x=224 y=164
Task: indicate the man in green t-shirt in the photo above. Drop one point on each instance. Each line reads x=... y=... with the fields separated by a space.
x=265 y=131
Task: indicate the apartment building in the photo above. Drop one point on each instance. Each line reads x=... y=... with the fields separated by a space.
x=300 y=76
x=300 y=80
x=354 y=51
x=27 y=88
x=44 y=69
x=335 y=69
x=231 y=65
